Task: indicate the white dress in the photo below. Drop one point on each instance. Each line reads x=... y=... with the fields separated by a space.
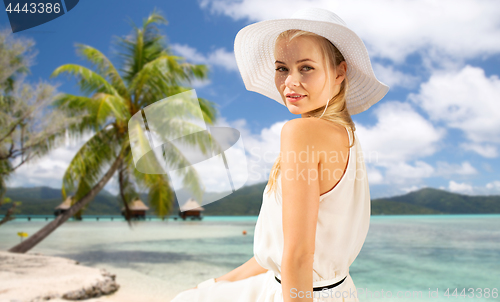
x=343 y=222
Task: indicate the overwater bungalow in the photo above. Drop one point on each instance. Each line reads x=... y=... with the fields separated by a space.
x=191 y=209
x=137 y=209
x=63 y=207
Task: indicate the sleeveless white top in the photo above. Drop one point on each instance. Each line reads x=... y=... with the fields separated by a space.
x=343 y=222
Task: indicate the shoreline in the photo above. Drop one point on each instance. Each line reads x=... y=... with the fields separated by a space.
x=33 y=277
x=229 y=218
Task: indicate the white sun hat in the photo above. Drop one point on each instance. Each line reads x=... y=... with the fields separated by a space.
x=254 y=52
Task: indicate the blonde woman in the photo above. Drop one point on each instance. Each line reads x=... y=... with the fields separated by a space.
x=316 y=206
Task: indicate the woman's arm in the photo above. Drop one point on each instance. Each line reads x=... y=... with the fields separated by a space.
x=300 y=202
x=248 y=269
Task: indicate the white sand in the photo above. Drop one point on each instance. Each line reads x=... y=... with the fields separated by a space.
x=24 y=277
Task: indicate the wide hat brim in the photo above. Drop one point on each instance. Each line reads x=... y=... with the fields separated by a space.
x=254 y=52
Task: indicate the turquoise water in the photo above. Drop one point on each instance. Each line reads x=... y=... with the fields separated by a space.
x=405 y=254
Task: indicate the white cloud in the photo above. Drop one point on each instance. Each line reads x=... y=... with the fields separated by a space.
x=488 y=151
x=400 y=134
x=397 y=142
x=465 y=100
x=219 y=57
x=188 y=52
x=487 y=167
x=402 y=168
x=404 y=173
x=410 y=189
x=460 y=187
x=394 y=29
x=494 y=185
x=448 y=169
x=223 y=58
x=394 y=78
x=199 y=83
x=263 y=150
x=374 y=175
x=491 y=188
x=49 y=170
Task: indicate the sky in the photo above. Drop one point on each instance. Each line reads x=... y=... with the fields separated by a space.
x=439 y=125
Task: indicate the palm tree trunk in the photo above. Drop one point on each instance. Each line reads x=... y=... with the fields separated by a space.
x=33 y=240
x=124 y=199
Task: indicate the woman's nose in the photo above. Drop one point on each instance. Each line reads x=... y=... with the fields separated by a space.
x=291 y=80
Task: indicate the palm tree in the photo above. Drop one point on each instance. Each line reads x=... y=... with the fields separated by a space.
x=149 y=73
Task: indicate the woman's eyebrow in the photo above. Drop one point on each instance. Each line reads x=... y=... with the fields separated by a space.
x=299 y=61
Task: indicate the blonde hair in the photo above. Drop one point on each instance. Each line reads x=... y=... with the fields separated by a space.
x=336 y=108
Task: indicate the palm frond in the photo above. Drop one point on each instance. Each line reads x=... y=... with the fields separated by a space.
x=87 y=164
x=104 y=67
x=88 y=80
x=72 y=104
x=160 y=194
x=174 y=159
x=105 y=104
x=154 y=18
x=163 y=77
x=195 y=71
x=158 y=74
x=101 y=106
x=208 y=110
x=143 y=46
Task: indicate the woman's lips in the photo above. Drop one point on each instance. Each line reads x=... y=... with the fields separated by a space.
x=296 y=99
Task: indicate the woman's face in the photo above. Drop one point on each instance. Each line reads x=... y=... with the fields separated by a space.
x=301 y=75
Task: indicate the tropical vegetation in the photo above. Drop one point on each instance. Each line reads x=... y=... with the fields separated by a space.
x=29 y=126
x=148 y=72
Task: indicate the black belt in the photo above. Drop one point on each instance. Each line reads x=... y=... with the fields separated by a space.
x=316 y=289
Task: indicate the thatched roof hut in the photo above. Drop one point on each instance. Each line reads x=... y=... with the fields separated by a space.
x=137 y=209
x=65 y=205
x=137 y=205
x=191 y=205
x=191 y=208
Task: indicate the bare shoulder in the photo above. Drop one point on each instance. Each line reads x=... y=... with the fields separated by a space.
x=297 y=128
x=312 y=130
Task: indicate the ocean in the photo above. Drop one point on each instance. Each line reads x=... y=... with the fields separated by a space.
x=414 y=257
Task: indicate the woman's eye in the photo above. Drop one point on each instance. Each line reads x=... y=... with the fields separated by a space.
x=283 y=69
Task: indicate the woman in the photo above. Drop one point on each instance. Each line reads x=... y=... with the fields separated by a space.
x=316 y=211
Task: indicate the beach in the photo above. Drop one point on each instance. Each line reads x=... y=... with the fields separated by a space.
x=36 y=277
x=153 y=261
x=156 y=260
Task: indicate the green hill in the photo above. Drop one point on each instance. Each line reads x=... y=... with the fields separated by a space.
x=390 y=207
x=248 y=200
x=43 y=200
x=433 y=201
